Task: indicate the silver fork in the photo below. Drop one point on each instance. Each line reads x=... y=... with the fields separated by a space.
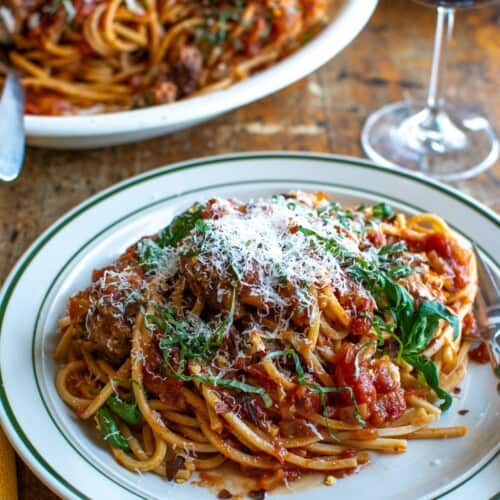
x=487 y=312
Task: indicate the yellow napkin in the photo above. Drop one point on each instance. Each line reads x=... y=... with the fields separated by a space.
x=8 y=481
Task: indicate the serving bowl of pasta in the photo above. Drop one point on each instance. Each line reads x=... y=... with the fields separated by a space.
x=108 y=72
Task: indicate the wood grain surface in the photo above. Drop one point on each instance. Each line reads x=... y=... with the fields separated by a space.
x=324 y=112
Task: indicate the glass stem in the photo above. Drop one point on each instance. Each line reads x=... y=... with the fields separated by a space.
x=444 y=29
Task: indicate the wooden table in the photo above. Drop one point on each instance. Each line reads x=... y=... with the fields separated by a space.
x=324 y=112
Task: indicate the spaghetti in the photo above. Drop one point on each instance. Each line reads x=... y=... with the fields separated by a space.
x=284 y=335
x=105 y=55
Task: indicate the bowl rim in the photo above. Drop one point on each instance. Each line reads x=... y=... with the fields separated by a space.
x=348 y=21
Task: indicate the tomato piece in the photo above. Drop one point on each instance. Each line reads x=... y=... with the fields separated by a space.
x=461 y=277
x=376 y=238
x=388 y=407
x=439 y=243
x=360 y=325
x=469 y=324
x=479 y=354
x=383 y=379
x=348 y=453
x=375 y=383
x=84 y=48
x=362 y=385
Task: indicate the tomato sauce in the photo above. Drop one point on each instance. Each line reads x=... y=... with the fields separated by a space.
x=479 y=354
x=372 y=383
x=449 y=251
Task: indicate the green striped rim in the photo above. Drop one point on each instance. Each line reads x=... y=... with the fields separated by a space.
x=467 y=479
x=38 y=245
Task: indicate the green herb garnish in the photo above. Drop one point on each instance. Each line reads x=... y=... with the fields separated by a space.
x=128 y=412
x=151 y=252
x=382 y=210
x=197 y=342
x=194 y=339
x=416 y=327
x=109 y=429
x=330 y=245
x=180 y=226
x=322 y=391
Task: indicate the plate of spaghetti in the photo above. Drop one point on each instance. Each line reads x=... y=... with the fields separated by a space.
x=265 y=324
x=162 y=65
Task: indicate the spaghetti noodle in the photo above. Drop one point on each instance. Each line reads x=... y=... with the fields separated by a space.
x=284 y=335
x=104 y=55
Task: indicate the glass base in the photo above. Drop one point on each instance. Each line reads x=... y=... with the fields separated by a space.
x=450 y=144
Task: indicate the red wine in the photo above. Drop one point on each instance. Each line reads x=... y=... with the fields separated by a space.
x=455 y=4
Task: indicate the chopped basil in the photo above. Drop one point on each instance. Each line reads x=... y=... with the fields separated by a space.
x=109 y=429
x=128 y=412
x=322 y=391
x=198 y=344
x=382 y=210
x=180 y=226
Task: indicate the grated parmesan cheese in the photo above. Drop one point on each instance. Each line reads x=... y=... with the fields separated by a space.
x=267 y=246
x=264 y=249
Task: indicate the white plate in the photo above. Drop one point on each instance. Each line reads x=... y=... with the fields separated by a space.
x=76 y=132
x=66 y=456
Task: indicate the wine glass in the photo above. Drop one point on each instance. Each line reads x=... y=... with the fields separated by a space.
x=444 y=141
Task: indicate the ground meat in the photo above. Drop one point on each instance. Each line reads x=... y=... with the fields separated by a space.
x=204 y=280
x=173 y=466
x=14 y=15
x=21 y=9
x=187 y=72
x=164 y=93
x=105 y=312
x=162 y=90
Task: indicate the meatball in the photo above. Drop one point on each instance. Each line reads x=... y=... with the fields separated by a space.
x=105 y=312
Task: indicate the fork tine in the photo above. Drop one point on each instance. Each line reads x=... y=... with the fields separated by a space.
x=481 y=312
x=487 y=282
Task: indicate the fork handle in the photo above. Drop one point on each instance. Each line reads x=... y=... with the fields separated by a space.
x=12 y=138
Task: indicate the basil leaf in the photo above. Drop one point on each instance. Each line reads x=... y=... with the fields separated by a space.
x=329 y=244
x=343 y=388
x=400 y=271
x=194 y=339
x=176 y=333
x=425 y=325
x=400 y=246
x=220 y=332
x=432 y=308
x=379 y=325
x=416 y=329
x=150 y=254
x=430 y=372
x=109 y=429
x=382 y=210
x=234 y=384
x=390 y=295
x=180 y=226
x=401 y=301
x=128 y=412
